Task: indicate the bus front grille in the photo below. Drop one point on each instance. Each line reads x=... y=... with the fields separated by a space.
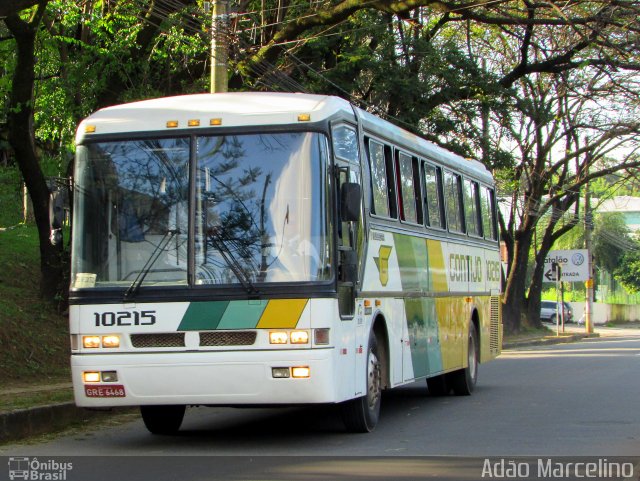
x=141 y=341
x=227 y=338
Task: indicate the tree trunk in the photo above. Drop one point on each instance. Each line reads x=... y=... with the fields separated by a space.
x=533 y=299
x=22 y=139
x=514 y=293
x=535 y=288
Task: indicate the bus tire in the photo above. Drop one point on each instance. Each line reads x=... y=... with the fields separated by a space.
x=438 y=385
x=162 y=419
x=361 y=415
x=464 y=380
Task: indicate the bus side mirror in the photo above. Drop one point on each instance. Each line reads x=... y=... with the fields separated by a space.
x=56 y=217
x=350 y=194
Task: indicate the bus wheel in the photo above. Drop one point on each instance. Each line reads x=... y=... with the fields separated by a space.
x=361 y=415
x=162 y=419
x=438 y=385
x=464 y=380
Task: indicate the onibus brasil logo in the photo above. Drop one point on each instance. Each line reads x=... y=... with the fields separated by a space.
x=33 y=469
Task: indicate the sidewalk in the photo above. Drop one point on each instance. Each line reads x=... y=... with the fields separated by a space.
x=43 y=414
x=572 y=333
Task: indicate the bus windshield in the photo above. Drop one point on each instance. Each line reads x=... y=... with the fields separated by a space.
x=256 y=211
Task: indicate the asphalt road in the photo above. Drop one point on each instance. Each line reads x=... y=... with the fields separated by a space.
x=579 y=399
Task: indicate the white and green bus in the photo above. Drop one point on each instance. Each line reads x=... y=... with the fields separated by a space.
x=274 y=249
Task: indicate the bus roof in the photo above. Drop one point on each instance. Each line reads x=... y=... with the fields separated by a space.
x=235 y=109
x=232 y=109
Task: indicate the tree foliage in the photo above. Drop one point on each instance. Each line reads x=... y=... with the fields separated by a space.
x=545 y=94
x=628 y=273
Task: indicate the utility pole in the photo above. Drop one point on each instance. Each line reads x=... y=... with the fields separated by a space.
x=588 y=229
x=219 y=45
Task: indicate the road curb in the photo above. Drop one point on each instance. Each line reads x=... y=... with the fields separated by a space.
x=549 y=340
x=23 y=423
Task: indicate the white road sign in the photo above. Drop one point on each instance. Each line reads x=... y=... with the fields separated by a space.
x=574 y=265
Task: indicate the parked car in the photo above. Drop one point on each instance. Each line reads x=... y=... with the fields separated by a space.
x=549 y=310
x=568 y=312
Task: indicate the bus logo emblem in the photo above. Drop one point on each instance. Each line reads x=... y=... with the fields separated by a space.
x=382 y=262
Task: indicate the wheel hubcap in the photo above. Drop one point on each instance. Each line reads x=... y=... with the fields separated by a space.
x=373 y=380
x=473 y=363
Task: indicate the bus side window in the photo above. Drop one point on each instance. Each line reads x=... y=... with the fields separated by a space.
x=345 y=143
x=433 y=196
x=382 y=184
x=489 y=224
x=409 y=188
x=471 y=205
x=453 y=204
x=345 y=230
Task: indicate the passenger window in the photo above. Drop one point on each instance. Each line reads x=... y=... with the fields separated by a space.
x=471 y=203
x=433 y=189
x=345 y=143
x=452 y=193
x=382 y=183
x=489 y=223
x=408 y=211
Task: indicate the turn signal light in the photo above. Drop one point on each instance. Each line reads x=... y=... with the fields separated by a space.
x=321 y=336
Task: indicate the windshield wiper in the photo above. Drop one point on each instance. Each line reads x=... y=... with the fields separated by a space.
x=137 y=282
x=233 y=264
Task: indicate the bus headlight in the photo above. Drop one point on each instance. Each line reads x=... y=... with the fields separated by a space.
x=110 y=341
x=299 y=337
x=90 y=342
x=278 y=337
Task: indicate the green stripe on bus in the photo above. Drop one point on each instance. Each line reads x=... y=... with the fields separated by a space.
x=203 y=316
x=242 y=315
x=422 y=322
x=413 y=261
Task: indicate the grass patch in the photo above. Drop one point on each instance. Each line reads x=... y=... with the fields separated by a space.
x=82 y=429
x=34 y=339
x=10 y=196
x=25 y=400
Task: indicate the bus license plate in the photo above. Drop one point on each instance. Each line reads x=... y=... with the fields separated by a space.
x=99 y=390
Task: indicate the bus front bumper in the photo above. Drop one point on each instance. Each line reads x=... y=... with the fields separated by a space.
x=212 y=378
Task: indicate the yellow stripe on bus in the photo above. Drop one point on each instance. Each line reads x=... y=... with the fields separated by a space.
x=436 y=266
x=282 y=313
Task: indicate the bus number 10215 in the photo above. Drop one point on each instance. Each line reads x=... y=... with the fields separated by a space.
x=125 y=318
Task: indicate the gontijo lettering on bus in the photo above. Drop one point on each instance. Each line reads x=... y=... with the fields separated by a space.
x=464 y=267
